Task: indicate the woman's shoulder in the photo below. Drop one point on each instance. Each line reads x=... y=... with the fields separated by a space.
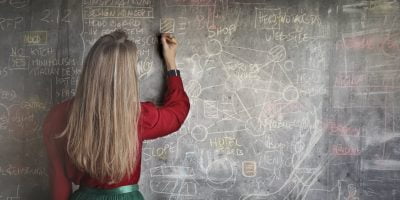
x=58 y=112
x=62 y=107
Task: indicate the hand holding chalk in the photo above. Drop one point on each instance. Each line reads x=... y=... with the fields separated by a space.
x=169 y=45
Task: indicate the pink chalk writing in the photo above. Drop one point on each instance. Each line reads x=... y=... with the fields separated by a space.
x=369 y=42
x=340 y=129
x=341 y=150
x=348 y=80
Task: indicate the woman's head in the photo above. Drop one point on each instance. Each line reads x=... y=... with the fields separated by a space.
x=102 y=126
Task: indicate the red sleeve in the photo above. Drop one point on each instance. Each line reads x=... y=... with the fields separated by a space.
x=168 y=118
x=59 y=183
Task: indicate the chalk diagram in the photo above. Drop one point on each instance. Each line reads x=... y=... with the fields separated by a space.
x=259 y=101
x=21 y=123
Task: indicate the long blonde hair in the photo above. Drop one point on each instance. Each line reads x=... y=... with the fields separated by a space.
x=102 y=127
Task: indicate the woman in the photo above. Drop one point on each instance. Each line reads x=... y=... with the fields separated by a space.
x=95 y=138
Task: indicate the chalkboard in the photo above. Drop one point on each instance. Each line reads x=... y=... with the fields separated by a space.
x=290 y=100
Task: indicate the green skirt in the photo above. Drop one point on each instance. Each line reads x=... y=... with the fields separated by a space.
x=127 y=192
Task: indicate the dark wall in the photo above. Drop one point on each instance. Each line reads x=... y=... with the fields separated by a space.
x=289 y=99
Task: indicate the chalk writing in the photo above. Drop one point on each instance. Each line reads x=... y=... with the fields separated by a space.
x=12 y=170
x=160 y=152
x=17 y=59
x=227 y=145
x=243 y=70
x=35 y=37
x=66 y=93
x=116 y=2
x=297 y=123
x=283 y=107
x=295 y=36
x=343 y=150
x=313 y=91
x=54 y=71
x=368 y=42
x=102 y=23
x=272 y=144
x=34 y=104
x=22 y=123
x=225 y=31
x=52 y=62
x=117 y=12
x=3 y=72
x=340 y=129
x=16 y=3
x=41 y=51
x=273 y=18
x=309 y=76
x=56 y=16
x=343 y=80
x=10 y=23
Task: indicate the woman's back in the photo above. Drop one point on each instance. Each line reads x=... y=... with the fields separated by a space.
x=85 y=155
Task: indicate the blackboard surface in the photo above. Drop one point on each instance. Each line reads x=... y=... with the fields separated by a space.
x=290 y=100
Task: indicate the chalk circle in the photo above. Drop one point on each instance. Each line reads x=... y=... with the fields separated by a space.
x=220 y=171
x=288 y=65
x=194 y=88
x=290 y=93
x=255 y=127
x=213 y=47
x=18 y=4
x=199 y=133
x=299 y=147
x=3 y=117
x=278 y=53
x=232 y=83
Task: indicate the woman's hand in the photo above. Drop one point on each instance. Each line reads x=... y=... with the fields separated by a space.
x=169 y=45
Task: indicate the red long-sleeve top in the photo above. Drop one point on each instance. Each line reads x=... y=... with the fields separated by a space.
x=153 y=122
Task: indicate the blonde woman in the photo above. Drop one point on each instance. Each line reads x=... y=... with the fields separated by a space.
x=94 y=139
